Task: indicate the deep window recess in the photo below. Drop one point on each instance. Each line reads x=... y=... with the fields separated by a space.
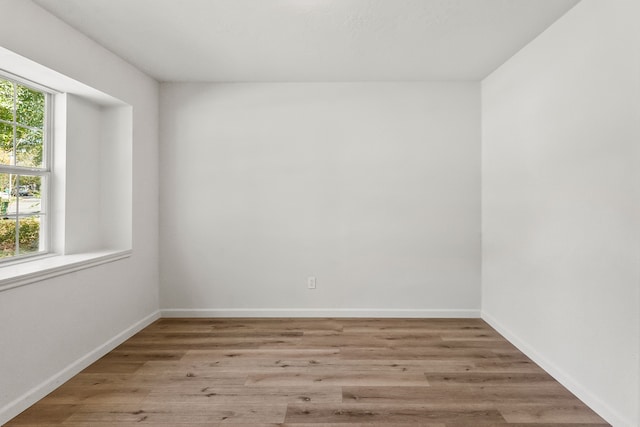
x=24 y=169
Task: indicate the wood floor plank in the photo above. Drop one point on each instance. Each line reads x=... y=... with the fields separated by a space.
x=558 y=413
x=491 y=378
x=332 y=378
x=316 y=364
x=44 y=414
x=205 y=343
x=106 y=365
x=390 y=413
x=570 y=424
x=312 y=373
x=283 y=353
x=176 y=413
x=366 y=424
x=212 y=332
x=166 y=379
x=241 y=325
x=107 y=395
x=550 y=394
x=416 y=323
x=419 y=353
x=249 y=395
x=518 y=365
x=120 y=354
x=173 y=424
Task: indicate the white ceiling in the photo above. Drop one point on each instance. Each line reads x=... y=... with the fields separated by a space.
x=312 y=40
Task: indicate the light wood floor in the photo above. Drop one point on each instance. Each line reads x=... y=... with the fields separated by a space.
x=312 y=372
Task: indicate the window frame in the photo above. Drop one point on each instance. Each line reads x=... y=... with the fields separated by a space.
x=45 y=171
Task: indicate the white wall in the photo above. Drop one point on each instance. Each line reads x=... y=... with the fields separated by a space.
x=95 y=151
x=47 y=326
x=373 y=188
x=116 y=177
x=560 y=161
x=83 y=227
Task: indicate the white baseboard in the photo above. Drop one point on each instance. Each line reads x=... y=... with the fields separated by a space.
x=319 y=312
x=581 y=392
x=12 y=409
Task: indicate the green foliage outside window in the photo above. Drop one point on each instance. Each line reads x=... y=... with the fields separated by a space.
x=29 y=124
x=29 y=236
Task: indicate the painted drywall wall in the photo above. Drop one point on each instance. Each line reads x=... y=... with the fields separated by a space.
x=561 y=231
x=116 y=174
x=83 y=229
x=95 y=177
x=372 y=188
x=48 y=326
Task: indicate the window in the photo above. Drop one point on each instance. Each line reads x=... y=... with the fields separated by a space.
x=65 y=174
x=24 y=169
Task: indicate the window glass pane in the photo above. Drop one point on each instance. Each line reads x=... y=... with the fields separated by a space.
x=30 y=107
x=6 y=100
x=28 y=193
x=7 y=237
x=6 y=144
x=20 y=195
x=29 y=145
x=7 y=217
x=7 y=201
x=29 y=235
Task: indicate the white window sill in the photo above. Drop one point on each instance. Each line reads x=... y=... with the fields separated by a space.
x=15 y=275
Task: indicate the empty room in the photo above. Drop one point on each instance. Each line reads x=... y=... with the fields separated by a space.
x=320 y=213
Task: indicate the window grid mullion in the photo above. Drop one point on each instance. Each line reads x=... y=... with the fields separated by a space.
x=19 y=170
x=15 y=118
x=17 y=217
x=13 y=163
x=25 y=215
x=19 y=124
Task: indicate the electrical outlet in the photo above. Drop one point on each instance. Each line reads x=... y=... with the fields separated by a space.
x=311 y=283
